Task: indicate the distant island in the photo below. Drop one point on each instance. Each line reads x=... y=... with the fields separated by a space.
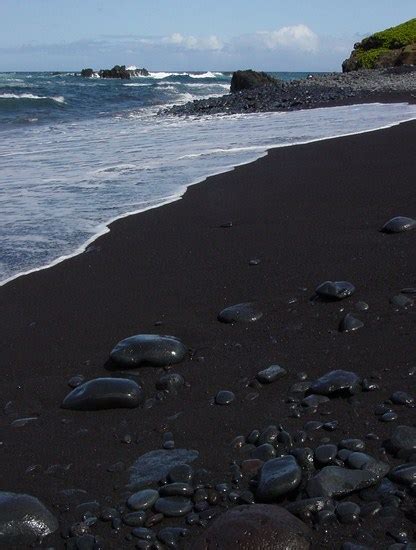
x=392 y=47
x=118 y=71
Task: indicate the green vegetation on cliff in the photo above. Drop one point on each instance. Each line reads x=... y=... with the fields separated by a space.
x=381 y=45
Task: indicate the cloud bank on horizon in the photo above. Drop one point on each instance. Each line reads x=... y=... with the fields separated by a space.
x=288 y=48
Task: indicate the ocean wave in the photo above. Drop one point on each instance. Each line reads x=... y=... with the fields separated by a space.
x=57 y=99
x=137 y=84
x=208 y=74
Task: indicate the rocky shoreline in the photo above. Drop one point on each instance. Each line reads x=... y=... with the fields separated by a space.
x=314 y=91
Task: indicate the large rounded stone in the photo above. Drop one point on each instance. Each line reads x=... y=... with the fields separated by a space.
x=403 y=441
x=255 y=527
x=278 y=477
x=23 y=520
x=334 y=481
x=398 y=225
x=104 y=393
x=148 y=349
x=335 y=290
x=336 y=382
x=246 y=313
x=350 y=323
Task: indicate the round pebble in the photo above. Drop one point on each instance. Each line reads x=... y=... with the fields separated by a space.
x=224 y=397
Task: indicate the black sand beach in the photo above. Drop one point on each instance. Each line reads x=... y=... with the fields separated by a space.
x=309 y=213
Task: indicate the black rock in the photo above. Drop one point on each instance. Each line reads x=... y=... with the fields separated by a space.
x=271 y=374
x=278 y=477
x=313 y=401
x=173 y=506
x=134 y=519
x=23 y=520
x=325 y=454
x=403 y=441
x=348 y=512
x=352 y=444
x=176 y=489
x=155 y=465
x=249 y=79
x=170 y=382
x=148 y=349
x=334 y=481
x=336 y=383
x=335 y=290
x=263 y=452
x=182 y=473
x=389 y=417
x=404 y=474
x=142 y=500
x=269 y=435
x=87 y=73
x=104 y=393
x=246 y=313
x=224 y=397
x=402 y=300
x=304 y=508
x=398 y=225
x=402 y=398
x=170 y=536
x=350 y=323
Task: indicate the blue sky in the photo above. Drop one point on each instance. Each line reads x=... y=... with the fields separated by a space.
x=189 y=34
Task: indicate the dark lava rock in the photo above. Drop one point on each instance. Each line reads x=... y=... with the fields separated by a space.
x=142 y=500
x=104 y=393
x=334 y=481
x=246 y=313
x=304 y=508
x=402 y=398
x=350 y=323
x=403 y=441
x=170 y=536
x=403 y=301
x=148 y=349
x=170 y=382
x=348 y=512
x=255 y=527
x=173 y=506
x=177 y=489
x=271 y=374
x=389 y=417
x=224 y=397
x=325 y=454
x=336 y=383
x=134 y=519
x=278 y=477
x=398 y=225
x=405 y=473
x=247 y=80
x=335 y=290
x=352 y=444
x=155 y=465
x=23 y=520
x=263 y=452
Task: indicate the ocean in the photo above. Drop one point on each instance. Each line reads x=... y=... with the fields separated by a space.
x=77 y=153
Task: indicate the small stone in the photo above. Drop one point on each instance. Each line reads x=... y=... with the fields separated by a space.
x=402 y=398
x=226 y=225
x=370 y=509
x=271 y=374
x=170 y=382
x=170 y=536
x=352 y=444
x=278 y=477
x=173 y=506
x=404 y=474
x=348 y=512
x=389 y=417
x=402 y=301
x=336 y=383
x=148 y=349
x=361 y=306
x=144 y=534
x=76 y=381
x=134 y=519
x=224 y=397
x=264 y=452
x=255 y=261
x=104 y=393
x=142 y=500
x=398 y=225
x=403 y=441
x=246 y=312
x=350 y=323
x=176 y=489
x=313 y=401
x=269 y=435
x=325 y=454
x=334 y=481
x=335 y=290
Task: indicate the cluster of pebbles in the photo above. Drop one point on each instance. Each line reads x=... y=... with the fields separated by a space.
x=306 y=93
x=282 y=484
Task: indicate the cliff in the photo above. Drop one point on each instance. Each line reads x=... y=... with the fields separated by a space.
x=392 y=47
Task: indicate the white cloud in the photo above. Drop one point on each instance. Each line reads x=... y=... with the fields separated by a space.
x=194 y=43
x=298 y=37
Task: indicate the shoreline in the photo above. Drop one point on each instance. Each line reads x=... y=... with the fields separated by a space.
x=105 y=227
x=309 y=213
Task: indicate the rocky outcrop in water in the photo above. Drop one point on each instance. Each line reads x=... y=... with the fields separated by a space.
x=118 y=71
x=247 y=80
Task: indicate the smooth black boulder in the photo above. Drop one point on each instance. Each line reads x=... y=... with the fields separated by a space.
x=336 y=383
x=249 y=79
x=173 y=506
x=23 y=520
x=246 y=312
x=148 y=349
x=403 y=441
x=104 y=393
x=271 y=374
x=255 y=527
x=334 y=481
x=335 y=290
x=398 y=225
x=350 y=323
x=278 y=477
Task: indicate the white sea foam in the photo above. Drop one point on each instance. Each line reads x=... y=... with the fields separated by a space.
x=64 y=189
x=58 y=99
x=208 y=74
